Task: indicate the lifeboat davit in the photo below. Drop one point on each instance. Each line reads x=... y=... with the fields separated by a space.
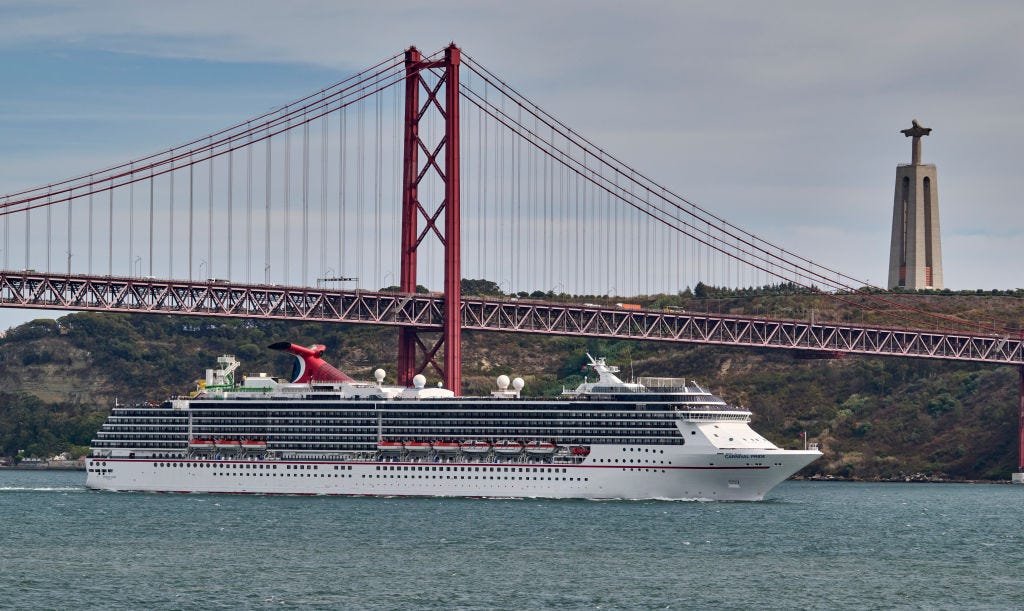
x=508 y=447
x=390 y=446
x=200 y=444
x=256 y=445
x=475 y=446
x=540 y=447
x=417 y=446
x=227 y=444
x=445 y=446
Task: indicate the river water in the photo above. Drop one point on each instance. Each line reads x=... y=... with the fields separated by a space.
x=820 y=545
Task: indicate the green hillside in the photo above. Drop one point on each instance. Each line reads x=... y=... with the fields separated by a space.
x=875 y=417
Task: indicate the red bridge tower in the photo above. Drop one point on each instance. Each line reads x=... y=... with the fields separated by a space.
x=413 y=354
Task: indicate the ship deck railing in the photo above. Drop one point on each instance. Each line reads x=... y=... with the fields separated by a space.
x=739 y=415
x=670 y=385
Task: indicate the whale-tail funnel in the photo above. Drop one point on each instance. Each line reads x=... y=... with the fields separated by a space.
x=309 y=367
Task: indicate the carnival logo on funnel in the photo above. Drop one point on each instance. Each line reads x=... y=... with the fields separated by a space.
x=309 y=367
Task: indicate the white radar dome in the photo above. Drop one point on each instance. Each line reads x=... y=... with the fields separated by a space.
x=419 y=380
x=379 y=375
x=518 y=384
x=502 y=382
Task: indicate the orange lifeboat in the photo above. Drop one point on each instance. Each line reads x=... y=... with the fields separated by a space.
x=227 y=444
x=508 y=447
x=417 y=446
x=445 y=446
x=254 y=445
x=540 y=447
x=475 y=446
x=390 y=446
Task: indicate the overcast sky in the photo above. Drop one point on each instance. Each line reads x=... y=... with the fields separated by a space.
x=782 y=117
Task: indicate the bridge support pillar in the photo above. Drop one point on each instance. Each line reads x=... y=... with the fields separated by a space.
x=414 y=356
x=1018 y=477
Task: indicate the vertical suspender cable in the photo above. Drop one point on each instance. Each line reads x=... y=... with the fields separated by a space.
x=614 y=262
x=89 y=254
x=304 y=278
x=209 y=224
x=549 y=209
x=380 y=188
x=484 y=184
x=532 y=234
x=537 y=213
x=287 y=202
x=565 y=246
x=578 y=249
x=266 y=216
x=49 y=233
x=70 y=200
x=28 y=238
x=248 y=211
x=343 y=119
x=7 y=235
x=397 y=133
x=191 y=213
x=110 y=230
x=479 y=182
x=649 y=263
x=151 y=188
x=500 y=217
x=170 y=227
x=230 y=228
x=323 y=192
x=630 y=245
x=517 y=198
x=131 y=229
x=360 y=202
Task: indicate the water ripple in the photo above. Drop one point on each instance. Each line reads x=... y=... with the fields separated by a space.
x=827 y=545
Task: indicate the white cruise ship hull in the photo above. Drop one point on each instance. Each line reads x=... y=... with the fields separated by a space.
x=722 y=476
x=657 y=438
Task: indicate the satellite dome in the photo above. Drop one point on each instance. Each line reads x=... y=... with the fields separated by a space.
x=518 y=384
x=379 y=375
x=419 y=380
x=502 y=382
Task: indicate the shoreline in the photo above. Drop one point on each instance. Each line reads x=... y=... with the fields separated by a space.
x=42 y=468
x=916 y=478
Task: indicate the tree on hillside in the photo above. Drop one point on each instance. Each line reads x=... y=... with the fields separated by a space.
x=483 y=288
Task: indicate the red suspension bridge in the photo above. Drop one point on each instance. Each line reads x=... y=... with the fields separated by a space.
x=422 y=171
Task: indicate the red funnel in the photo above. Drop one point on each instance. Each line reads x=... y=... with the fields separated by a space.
x=309 y=367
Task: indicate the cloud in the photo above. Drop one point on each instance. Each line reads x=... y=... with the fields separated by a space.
x=783 y=117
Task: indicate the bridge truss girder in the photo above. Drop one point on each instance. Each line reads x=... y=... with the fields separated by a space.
x=426 y=312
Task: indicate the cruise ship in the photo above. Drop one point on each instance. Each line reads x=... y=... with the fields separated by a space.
x=321 y=432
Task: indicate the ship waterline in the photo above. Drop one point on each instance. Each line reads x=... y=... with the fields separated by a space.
x=659 y=438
